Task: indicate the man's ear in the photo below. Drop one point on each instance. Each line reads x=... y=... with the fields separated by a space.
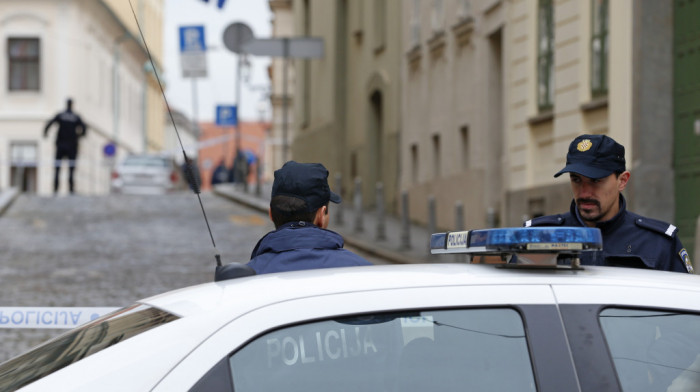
x=269 y=213
x=319 y=217
x=622 y=180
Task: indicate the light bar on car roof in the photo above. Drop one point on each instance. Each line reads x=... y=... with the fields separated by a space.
x=518 y=239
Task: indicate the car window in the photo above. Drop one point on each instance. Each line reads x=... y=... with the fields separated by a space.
x=145 y=161
x=653 y=350
x=79 y=343
x=446 y=350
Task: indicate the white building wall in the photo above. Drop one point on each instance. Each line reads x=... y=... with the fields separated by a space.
x=79 y=57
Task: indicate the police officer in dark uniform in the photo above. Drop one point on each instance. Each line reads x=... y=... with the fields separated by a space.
x=70 y=129
x=299 y=209
x=596 y=166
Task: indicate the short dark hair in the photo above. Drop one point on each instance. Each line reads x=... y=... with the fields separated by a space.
x=284 y=209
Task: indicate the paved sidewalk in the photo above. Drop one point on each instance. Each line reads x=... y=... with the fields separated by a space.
x=390 y=249
x=7 y=196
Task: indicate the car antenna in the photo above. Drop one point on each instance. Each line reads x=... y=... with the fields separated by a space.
x=189 y=173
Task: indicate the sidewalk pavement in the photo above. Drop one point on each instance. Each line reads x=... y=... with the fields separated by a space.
x=390 y=249
x=7 y=196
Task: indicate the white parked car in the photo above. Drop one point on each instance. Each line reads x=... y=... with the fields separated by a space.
x=146 y=174
x=431 y=327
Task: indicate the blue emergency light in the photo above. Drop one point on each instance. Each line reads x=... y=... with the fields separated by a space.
x=570 y=240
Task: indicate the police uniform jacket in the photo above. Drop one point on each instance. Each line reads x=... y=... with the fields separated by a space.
x=70 y=128
x=629 y=240
x=301 y=246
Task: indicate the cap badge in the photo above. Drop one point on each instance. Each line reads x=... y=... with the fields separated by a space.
x=584 y=145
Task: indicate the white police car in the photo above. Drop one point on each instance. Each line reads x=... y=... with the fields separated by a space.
x=431 y=327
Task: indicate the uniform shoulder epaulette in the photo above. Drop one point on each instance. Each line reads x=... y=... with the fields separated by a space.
x=657 y=226
x=549 y=220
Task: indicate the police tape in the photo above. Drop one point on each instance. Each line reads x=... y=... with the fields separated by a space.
x=49 y=317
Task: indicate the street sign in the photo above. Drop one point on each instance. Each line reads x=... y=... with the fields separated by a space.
x=193 y=52
x=109 y=150
x=297 y=47
x=236 y=35
x=226 y=115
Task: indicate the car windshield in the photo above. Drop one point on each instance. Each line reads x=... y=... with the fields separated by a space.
x=145 y=161
x=79 y=343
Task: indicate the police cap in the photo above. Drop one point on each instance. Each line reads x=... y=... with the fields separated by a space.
x=594 y=156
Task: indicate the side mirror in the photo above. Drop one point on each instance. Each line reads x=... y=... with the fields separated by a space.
x=232 y=271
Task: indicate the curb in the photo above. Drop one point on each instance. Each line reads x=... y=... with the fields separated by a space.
x=7 y=197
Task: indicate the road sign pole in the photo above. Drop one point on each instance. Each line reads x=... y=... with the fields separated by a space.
x=238 y=101
x=195 y=102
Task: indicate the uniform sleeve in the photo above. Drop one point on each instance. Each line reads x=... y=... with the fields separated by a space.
x=680 y=259
x=48 y=125
x=83 y=127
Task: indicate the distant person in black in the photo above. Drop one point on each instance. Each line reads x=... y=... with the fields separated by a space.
x=70 y=129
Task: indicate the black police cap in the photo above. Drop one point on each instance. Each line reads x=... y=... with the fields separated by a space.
x=594 y=156
x=304 y=181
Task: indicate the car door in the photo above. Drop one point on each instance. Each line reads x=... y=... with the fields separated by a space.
x=430 y=338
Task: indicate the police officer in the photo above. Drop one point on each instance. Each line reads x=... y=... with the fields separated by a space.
x=70 y=128
x=299 y=210
x=596 y=167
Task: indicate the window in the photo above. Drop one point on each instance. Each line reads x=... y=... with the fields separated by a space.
x=599 y=48
x=415 y=23
x=23 y=57
x=380 y=21
x=545 y=55
x=438 y=17
x=464 y=9
x=653 y=350
x=417 y=351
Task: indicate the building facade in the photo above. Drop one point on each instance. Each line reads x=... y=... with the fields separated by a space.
x=282 y=81
x=489 y=94
x=89 y=51
x=347 y=111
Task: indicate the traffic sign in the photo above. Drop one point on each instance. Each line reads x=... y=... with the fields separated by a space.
x=193 y=51
x=297 y=47
x=109 y=149
x=226 y=115
x=236 y=35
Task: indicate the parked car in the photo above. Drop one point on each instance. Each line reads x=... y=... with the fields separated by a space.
x=428 y=327
x=146 y=174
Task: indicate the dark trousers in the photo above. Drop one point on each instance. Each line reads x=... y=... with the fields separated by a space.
x=70 y=152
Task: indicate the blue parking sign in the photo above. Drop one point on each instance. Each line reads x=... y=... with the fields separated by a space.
x=226 y=115
x=192 y=39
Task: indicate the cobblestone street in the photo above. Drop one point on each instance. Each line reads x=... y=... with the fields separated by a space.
x=112 y=250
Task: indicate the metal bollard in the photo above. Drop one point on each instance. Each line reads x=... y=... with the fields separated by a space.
x=357 y=201
x=459 y=226
x=491 y=217
x=432 y=219
x=339 y=207
x=405 y=222
x=258 y=177
x=381 y=224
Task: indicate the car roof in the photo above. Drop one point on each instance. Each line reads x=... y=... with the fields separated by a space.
x=241 y=295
